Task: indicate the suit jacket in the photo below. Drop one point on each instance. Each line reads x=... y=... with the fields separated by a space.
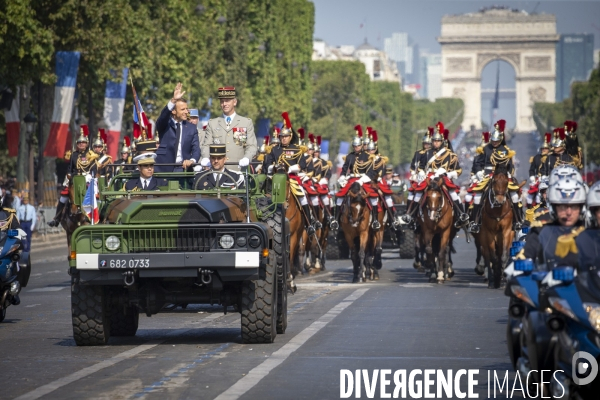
x=137 y=183
x=167 y=150
x=207 y=180
x=217 y=133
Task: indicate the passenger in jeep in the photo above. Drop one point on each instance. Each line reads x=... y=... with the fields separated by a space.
x=218 y=176
x=146 y=181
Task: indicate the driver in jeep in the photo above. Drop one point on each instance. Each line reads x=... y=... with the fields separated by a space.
x=218 y=175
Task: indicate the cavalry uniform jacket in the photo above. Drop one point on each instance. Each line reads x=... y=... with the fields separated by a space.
x=322 y=169
x=353 y=163
x=535 y=164
x=555 y=160
x=9 y=216
x=447 y=160
x=83 y=163
x=120 y=169
x=213 y=179
x=102 y=162
x=495 y=156
x=136 y=184
x=239 y=137
x=286 y=156
x=415 y=164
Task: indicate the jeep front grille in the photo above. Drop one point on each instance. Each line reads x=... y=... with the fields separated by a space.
x=167 y=240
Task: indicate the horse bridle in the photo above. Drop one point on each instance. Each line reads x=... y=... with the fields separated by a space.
x=437 y=213
x=492 y=196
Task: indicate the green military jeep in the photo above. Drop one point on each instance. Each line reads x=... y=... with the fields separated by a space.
x=156 y=250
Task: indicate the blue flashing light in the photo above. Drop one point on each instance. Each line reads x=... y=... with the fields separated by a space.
x=525 y=230
x=539 y=276
x=12 y=233
x=518 y=244
x=514 y=251
x=565 y=274
x=524 y=265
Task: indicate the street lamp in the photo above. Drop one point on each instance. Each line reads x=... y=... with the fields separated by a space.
x=30 y=121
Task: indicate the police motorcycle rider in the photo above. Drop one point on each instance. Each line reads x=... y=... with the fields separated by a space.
x=559 y=155
x=384 y=191
x=417 y=172
x=82 y=162
x=496 y=153
x=99 y=147
x=535 y=170
x=322 y=175
x=291 y=157
x=588 y=242
x=358 y=167
x=440 y=161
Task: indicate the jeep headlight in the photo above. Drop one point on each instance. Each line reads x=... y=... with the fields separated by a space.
x=593 y=311
x=226 y=241
x=112 y=243
x=254 y=241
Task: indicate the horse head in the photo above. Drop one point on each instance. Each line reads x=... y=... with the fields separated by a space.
x=434 y=199
x=499 y=186
x=356 y=198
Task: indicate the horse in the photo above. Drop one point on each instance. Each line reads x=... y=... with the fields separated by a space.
x=355 y=223
x=72 y=217
x=496 y=233
x=437 y=230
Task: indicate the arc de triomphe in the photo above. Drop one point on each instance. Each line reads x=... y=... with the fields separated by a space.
x=527 y=42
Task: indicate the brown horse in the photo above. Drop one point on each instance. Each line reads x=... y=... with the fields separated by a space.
x=437 y=230
x=496 y=233
x=355 y=223
x=73 y=217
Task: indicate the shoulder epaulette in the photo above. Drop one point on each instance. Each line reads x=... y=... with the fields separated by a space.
x=329 y=164
x=344 y=158
x=479 y=150
x=12 y=210
x=268 y=149
x=530 y=159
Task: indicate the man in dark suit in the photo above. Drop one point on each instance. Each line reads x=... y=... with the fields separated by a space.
x=178 y=138
x=146 y=181
x=218 y=175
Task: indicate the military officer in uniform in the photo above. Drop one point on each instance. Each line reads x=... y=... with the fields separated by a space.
x=535 y=170
x=125 y=158
x=146 y=181
x=218 y=176
x=83 y=162
x=99 y=147
x=232 y=130
x=559 y=156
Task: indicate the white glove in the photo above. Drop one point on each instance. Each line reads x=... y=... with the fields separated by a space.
x=440 y=171
x=342 y=181
x=421 y=176
x=197 y=168
x=88 y=178
x=532 y=180
x=205 y=162
x=244 y=162
x=413 y=176
x=294 y=169
x=364 y=179
x=270 y=169
x=479 y=175
x=66 y=181
x=323 y=181
x=452 y=175
x=303 y=177
x=474 y=178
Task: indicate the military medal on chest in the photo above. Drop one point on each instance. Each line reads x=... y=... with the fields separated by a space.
x=240 y=135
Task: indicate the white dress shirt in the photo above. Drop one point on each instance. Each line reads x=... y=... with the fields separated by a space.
x=145 y=182
x=26 y=212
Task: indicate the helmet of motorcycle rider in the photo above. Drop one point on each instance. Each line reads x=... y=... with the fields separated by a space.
x=593 y=196
x=564 y=171
x=567 y=191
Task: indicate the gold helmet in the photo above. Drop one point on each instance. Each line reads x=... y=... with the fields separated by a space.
x=439 y=132
x=427 y=135
x=100 y=139
x=357 y=141
x=547 y=140
x=265 y=144
x=311 y=142
x=559 y=137
x=84 y=132
x=275 y=139
x=372 y=145
x=126 y=146
x=498 y=133
x=367 y=137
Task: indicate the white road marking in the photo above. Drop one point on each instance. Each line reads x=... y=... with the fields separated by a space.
x=32 y=305
x=258 y=373
x=415 y=285
x=478 y=284
x=48 y=289
x=52 y=386
x=342 y=284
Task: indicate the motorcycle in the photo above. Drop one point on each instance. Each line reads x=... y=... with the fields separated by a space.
x=575 y=323
x=14 y=268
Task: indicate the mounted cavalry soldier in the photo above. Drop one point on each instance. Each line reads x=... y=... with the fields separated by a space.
x=99 y=147
x=441 y=161
x=218 y=176
x=257 y=161
x=358 y=167
x=417 y=172
x=232 y=130
x=496 y=153
x=322 y=175
x=478 y=160
x=83 y=162
x=291 y=157
x=535 y=170
x=561 y=156
x=125 y=158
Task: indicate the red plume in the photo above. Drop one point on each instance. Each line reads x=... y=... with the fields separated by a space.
x=501 y=125
x=486 y=136
x=127 y=141
x=440 y=127
x=446 y=134
x=561 y=133
x=358 y=128
x=276 y=129
x=86 y=130
x=574 y=126
x=286 y=118
x=319 y=140
x=430 y=129
x=374 y=135
x=266 y=139
x=103 y=135
x=547 y=137
x=149 y=130
x=311 y=137
x=301 y=133
x=369 y=129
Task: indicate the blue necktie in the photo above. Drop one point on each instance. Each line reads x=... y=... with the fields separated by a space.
x=228 y=119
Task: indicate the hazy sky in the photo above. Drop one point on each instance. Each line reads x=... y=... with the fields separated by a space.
x=338 y=22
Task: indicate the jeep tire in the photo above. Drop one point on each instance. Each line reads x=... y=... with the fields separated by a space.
x=407 y=244
x=124 y=319
x=91 y=324
x=259 y=307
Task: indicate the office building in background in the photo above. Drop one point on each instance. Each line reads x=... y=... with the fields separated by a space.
x=574 y=61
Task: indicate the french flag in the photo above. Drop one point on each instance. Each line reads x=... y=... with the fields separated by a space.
x=89 y=204
x=140 y=121
x=114 y=103
x=67 y=65
x=13 y=126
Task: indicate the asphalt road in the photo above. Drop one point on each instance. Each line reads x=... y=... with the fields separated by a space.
x=400 y=322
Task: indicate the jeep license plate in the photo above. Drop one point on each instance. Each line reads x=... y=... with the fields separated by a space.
x=132 y=263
